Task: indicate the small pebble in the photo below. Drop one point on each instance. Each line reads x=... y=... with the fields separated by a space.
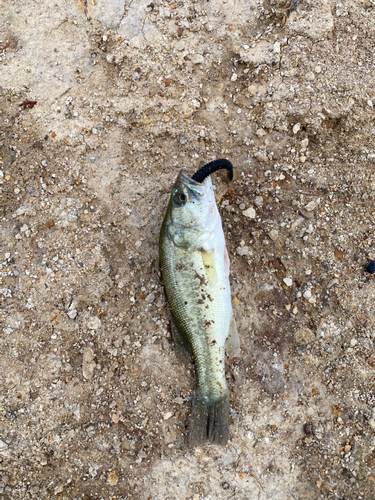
x=296 y=128
x=150 y=297
x=243 y=250
x=258 y=201
x=3 y=445
x=250 y=212
x=312 y=205
x=273 y=234
x=308 y=429
x=88 y=364
x=371 y=267
x=94 y=323
x=112 y=478
x=288 y=281
x=72 y=313
x=260 y=132
x=198 y=59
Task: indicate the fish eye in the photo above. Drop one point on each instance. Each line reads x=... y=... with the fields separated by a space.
x=180 y=199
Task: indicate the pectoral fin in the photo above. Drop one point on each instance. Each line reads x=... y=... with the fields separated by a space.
x=232 y=343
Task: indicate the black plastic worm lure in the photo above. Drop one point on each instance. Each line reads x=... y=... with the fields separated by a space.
x=211 y=167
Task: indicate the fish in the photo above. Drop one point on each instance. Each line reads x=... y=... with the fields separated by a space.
x=195 y=268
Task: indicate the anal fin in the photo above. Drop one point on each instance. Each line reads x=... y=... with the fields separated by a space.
x=232 y=343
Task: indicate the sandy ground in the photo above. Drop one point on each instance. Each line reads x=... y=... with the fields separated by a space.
x=102 y=103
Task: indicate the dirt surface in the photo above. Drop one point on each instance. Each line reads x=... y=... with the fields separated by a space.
x=102 y=103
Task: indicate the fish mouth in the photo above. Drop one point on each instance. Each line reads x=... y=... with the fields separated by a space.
x=196 y=188
x=186 y=179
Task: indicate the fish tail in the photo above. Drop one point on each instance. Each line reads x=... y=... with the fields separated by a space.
x=209 y=419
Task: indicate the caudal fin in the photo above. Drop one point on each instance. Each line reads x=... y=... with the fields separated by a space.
x=209 y=420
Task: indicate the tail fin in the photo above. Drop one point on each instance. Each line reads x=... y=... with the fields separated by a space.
x=209 y=420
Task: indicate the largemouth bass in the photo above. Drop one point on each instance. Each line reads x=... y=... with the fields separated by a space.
x=195 y=269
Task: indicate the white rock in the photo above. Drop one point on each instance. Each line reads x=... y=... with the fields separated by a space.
x=20 y=211
x=88 y=364
x=30 y=303
x=260 y=132
x=165 y=12
x=243 y=250
x=3 y=445
x=258 y=201
x=252 y=89
x=353 y=342
x=276 y=47
x=150 y=298
x=288 y=281
x=94 y=323
x=305 y=143
x=72 y=313
x=371 y=423
x=312 y=205
x=296 y=128
x=307 y=294
x=260 y=156
x=250 y=212
x=233 y=77
x=197 y=59
x=273 y=234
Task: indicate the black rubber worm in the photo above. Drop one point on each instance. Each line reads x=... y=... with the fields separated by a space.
x=211 y=167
